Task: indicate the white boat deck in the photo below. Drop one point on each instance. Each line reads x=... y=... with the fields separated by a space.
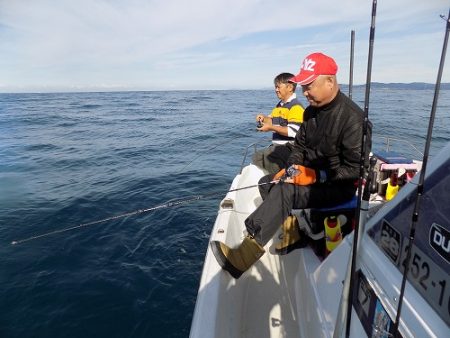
x=270 y=304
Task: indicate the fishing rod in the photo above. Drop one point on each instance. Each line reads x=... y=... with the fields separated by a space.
x=168 y=204
x=420 y=187
x=352 y=54
x=341 y=315
x=356 y=233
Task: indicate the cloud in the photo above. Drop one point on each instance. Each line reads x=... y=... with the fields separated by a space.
x=177 y=43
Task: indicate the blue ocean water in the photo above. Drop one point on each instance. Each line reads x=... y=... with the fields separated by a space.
x=72 y=158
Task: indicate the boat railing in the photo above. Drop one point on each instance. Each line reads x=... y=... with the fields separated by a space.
x=255 y=146
x=389 y=141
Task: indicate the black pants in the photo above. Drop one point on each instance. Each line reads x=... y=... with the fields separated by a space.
x=280 y=199
x=273 y=158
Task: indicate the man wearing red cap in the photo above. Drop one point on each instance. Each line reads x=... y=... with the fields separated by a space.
x=323 y=166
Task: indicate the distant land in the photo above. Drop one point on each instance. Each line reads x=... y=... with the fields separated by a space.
x=395 y=85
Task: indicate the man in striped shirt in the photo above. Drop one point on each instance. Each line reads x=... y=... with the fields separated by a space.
x=284 y=122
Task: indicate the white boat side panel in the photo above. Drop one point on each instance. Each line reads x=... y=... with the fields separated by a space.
x=328 y=282
x=421 y=319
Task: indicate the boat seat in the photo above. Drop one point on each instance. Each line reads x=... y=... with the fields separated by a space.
x=350 y=204
x=311 y=221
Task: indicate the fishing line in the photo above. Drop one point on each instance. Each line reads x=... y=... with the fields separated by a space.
x=221 y=142
x=168 y=204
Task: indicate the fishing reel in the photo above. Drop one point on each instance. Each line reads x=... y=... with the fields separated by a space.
x=292 y=172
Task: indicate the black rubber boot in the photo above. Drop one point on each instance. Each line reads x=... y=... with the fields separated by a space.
x=290 y=238
x=237 y=261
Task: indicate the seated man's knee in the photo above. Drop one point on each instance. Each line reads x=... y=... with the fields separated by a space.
x=266 y=179
x=264 y=186
x=258 y=159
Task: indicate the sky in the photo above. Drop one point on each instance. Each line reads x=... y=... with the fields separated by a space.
x=108 y=45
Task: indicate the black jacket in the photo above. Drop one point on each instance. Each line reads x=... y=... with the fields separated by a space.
x=330 y=139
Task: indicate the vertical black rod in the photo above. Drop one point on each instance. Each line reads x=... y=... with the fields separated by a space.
x=420 y=188
x=361 y=169
x=352 y=54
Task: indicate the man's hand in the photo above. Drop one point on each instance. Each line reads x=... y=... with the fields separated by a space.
x=301 y=175
x=279 y=174
x=260 y=118
x=266 y=124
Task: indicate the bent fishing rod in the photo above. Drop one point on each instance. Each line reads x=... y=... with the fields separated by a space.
x=420 y=187
x=168 y=204
x=356 y=233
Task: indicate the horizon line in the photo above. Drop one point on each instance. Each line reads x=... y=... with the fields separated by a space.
x=123 y=89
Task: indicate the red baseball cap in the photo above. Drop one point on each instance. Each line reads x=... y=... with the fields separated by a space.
x=313 y=65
